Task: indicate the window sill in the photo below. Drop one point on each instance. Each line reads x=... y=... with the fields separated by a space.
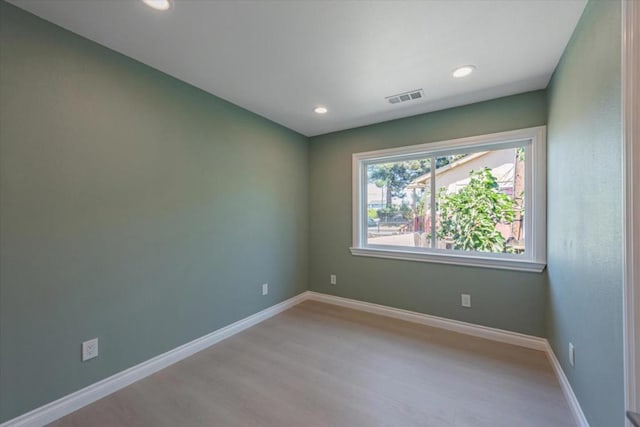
x=467 y=260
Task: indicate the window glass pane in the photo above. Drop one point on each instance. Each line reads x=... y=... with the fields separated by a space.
x=480 y=201
x=398 y=209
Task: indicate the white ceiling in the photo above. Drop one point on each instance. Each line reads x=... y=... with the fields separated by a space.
x=280 y=59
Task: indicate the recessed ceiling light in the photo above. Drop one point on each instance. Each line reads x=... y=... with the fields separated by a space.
x=463 y=71
x=320 y=110
x=158 y=4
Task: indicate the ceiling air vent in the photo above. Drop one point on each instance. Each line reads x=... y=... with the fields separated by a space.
x=412 y=95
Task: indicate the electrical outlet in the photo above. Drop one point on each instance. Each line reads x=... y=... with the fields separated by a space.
x=89 y=349
x=465 y=300
x=333 y=279
x=265 y=288
x=572 y=355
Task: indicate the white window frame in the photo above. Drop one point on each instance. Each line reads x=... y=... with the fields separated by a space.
x=534 y=257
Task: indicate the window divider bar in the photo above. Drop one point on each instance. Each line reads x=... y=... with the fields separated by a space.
x=433 y=201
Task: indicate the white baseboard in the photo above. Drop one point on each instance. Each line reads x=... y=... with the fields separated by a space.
x=572 y=400
x=74 y=401
x=493 y=334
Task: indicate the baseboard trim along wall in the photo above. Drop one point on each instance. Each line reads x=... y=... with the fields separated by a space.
x=493 y=334
x=83 y=397
x=74 y=401
x=572 y=400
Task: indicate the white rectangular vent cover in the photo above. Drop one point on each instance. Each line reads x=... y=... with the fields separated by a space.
x=412 y=95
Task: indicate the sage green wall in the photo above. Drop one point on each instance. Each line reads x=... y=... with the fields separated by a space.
x=503 y=299
x=143 y=211
x=133 y=207
x=585 y=215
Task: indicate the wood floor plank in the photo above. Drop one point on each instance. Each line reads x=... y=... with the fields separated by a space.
x=321 y=365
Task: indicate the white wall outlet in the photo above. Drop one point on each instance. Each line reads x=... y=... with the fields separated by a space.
x=333 y=279
x=572 y=355
x=265 y=288
x=466 y=300
x=89 y=349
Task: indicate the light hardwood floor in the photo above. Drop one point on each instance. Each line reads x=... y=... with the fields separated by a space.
x=321 y=365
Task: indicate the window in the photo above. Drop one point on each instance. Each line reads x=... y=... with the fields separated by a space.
x=476 y=201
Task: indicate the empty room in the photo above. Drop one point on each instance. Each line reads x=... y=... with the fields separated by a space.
x=358 y=213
